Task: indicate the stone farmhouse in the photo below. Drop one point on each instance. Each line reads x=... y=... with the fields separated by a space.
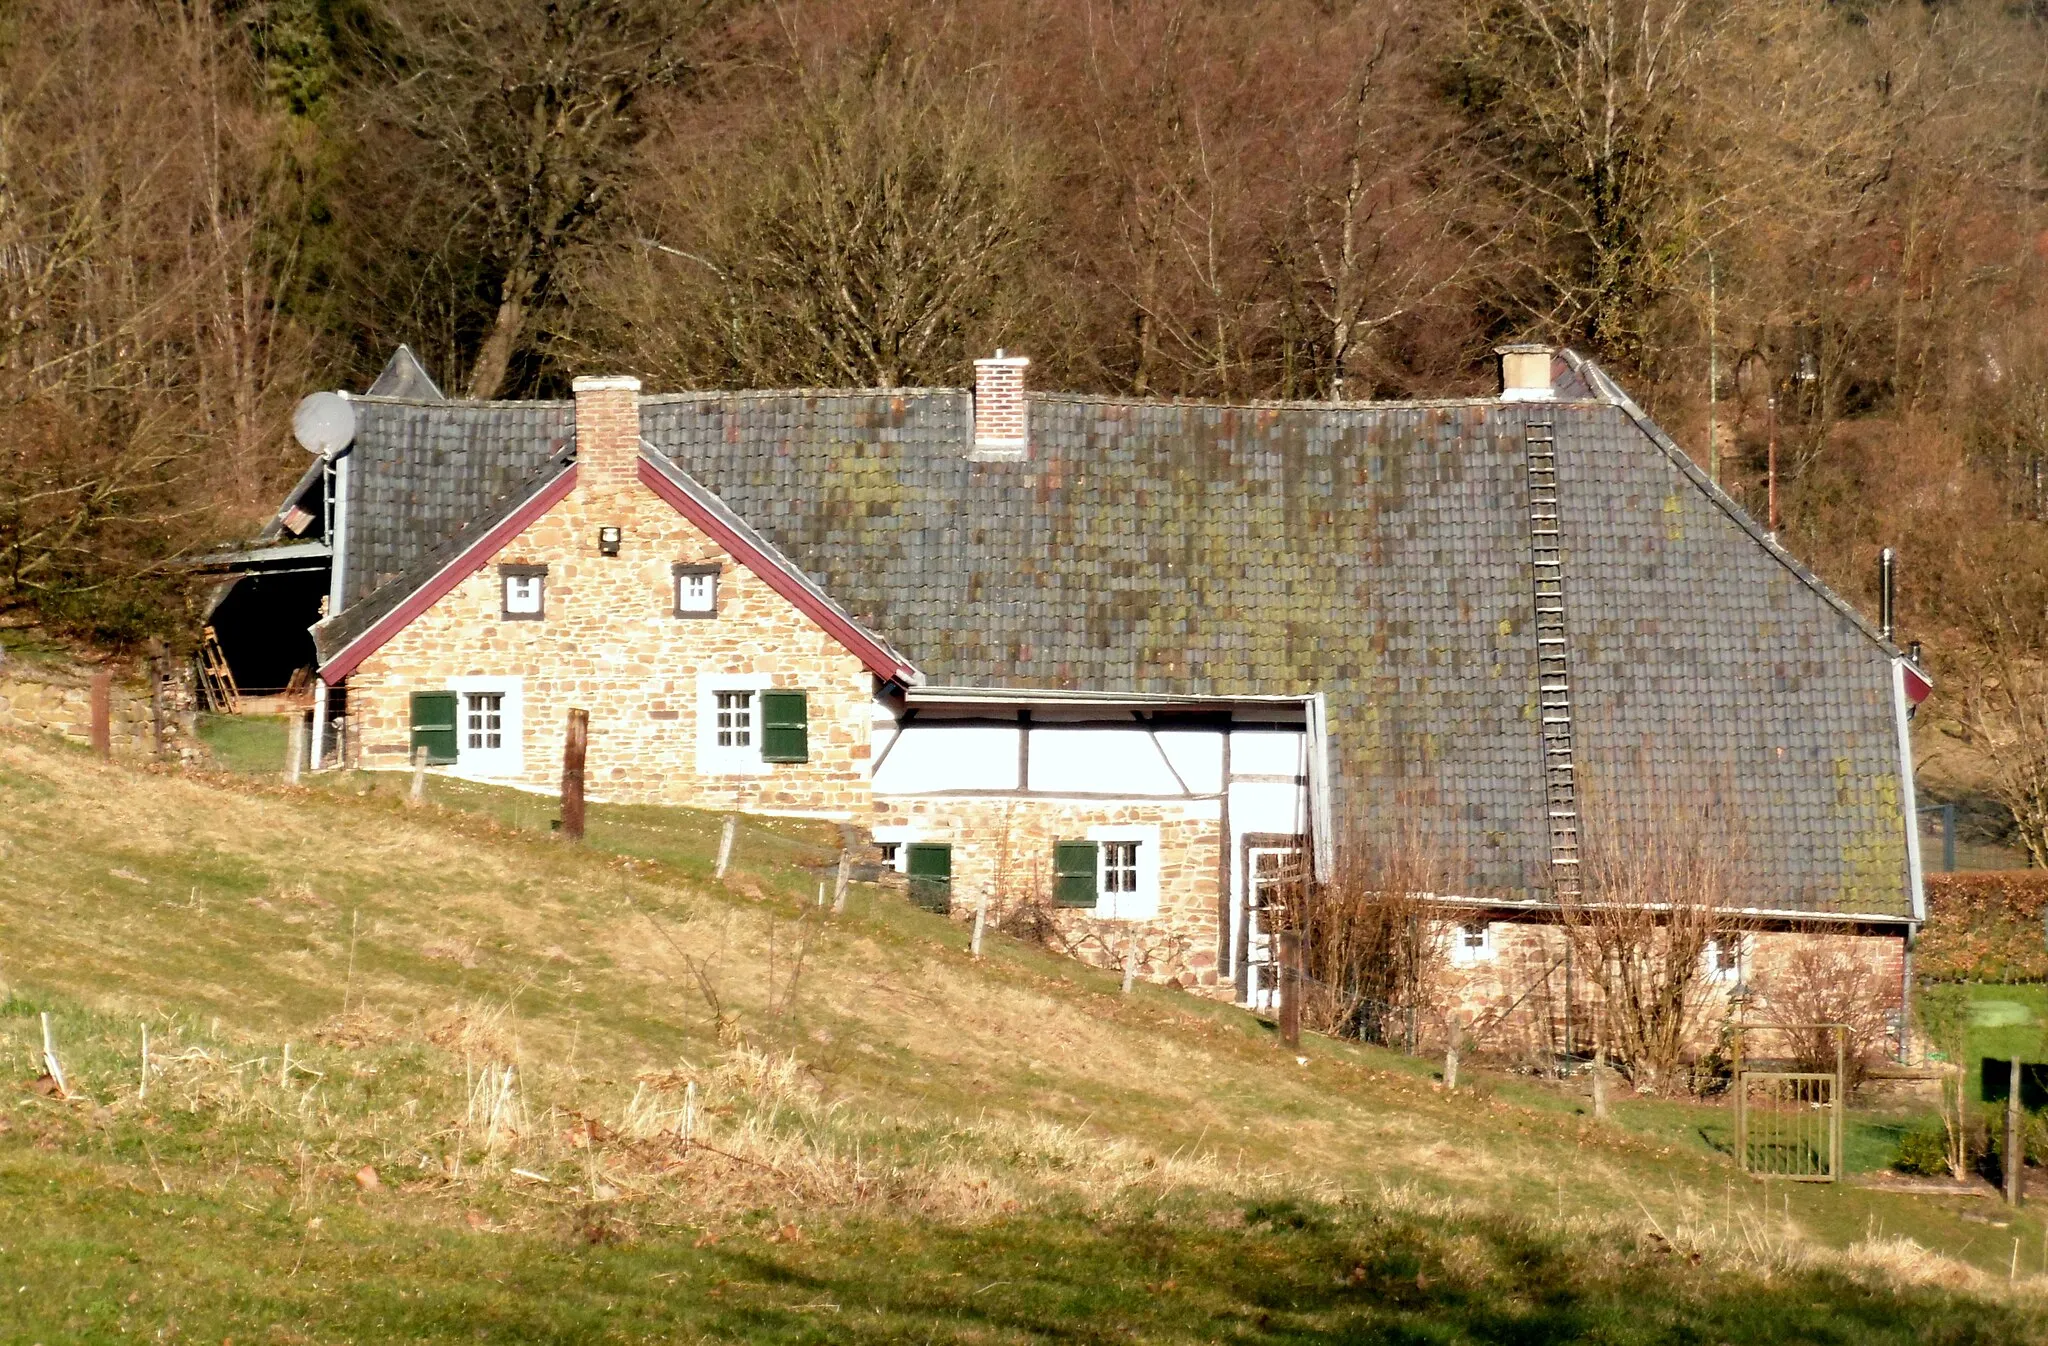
x=1138 y=661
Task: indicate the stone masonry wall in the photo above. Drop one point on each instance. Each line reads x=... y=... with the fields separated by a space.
x=1004 y=848
x=1518 y=992
x=610 y=643
x=58 y=700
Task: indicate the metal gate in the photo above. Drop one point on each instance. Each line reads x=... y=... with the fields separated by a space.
x=1789 y=1125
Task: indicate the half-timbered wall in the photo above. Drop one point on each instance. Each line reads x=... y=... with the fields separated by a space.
x=1003 y=785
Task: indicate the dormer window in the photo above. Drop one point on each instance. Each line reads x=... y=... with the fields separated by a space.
x=696 y=590
x=525 y=592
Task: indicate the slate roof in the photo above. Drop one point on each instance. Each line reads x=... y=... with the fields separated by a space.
x=1378 y=553
x=420 y=471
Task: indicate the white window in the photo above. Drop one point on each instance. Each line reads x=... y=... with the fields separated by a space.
x=522 y=594
x=487 y=727
x=1724 y=958
x=696 y=590
x=1119 y=866
x=729 y=724
x=1126 y=873
x=894 y=844
x=525 y=592
x=483 y=721
x=735 y=719
x=1472 y=942
x=892 y=854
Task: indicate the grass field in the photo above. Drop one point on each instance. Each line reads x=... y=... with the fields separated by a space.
x=495 y=1040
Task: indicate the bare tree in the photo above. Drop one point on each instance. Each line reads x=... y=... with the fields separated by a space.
x=144 y=366
x=525 y=117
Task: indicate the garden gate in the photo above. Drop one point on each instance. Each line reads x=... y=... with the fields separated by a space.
x=1788 y=1123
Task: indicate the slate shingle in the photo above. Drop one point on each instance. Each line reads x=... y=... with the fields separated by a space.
x=1376 y=553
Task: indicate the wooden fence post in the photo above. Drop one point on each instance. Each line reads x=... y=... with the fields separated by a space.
x=1131 y=968
x=103 y=714
x=294 y=747
x=156 y=695
x=839 y=883
x=418 y=794
x=574 y=748
x=725 y=840
x=2015 y=1136
x=1290 y=987
x=981 y=924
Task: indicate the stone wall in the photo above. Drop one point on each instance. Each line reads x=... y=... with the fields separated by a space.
x=1516 y=992
x=1003 y=847
x=57 y=699
x=610 y=642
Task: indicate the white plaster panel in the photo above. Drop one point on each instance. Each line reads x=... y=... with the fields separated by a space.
x=1091 y=760
x=1197 y=755
x=1267 y=752
x=1264 y=806
x=932 y=758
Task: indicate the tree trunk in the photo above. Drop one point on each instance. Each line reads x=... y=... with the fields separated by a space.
x=494 y=357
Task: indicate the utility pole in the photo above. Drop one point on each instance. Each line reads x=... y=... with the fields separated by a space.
x=1771 y=467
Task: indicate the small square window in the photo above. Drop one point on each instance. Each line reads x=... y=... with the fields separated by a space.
x=1724 y=957
x=1472 y=942
x=696 y=590
x=1119 y=866
x=525 y=592
x=891 y=851
x=483 y=721
x=735 y=719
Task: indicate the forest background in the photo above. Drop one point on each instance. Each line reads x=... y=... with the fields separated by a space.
x=1822 y=226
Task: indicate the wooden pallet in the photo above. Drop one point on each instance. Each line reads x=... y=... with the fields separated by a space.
x=215 y=677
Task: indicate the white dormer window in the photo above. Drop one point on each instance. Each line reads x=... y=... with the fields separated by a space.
x=1472 y=942
x=525 y=592
x=696 y=590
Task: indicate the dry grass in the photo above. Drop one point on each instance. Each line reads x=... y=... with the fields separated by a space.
x=525 y=1022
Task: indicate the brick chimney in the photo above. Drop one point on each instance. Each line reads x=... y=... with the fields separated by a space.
x=607 y=431
x=1000 y=426
x=1525 y=373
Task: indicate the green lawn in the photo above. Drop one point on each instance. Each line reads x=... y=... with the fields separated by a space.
x=890 y=1141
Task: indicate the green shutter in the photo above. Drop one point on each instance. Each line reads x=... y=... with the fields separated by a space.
x=785 y=727
x=1074 y=867
x=433 y=725
x=931 y=876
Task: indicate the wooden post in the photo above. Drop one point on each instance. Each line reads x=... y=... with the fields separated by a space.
x=294 y=747
x=103 y=714
x=418 y=794
x=142 y=1090
x=574 y=749
x=156 y=696
x=1599 y=1072
x=1290 y=987
x=1451 y=1057
x=2015 y=1136
x=839 y=884
x=725 y=840
x=51 y=1065
x=981 y=924
x=1837 y=1113
x=1131 y=969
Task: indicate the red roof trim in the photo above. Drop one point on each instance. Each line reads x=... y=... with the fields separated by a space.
x=781 y=578
x=472 y=559
x=1918 y=687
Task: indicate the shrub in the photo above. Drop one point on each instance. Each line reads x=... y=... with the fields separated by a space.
x=1923 y=1150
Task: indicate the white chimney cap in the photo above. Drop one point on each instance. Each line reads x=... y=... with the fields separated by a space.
x=1525 y=372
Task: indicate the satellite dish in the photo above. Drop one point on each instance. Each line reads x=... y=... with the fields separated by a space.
x=324 y=423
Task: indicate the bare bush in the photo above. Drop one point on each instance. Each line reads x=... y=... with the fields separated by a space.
x=1374 y=938
x=1825 y=979
x=1660 y=886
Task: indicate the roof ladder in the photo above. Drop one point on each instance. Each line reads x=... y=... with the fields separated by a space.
x=1553 y=662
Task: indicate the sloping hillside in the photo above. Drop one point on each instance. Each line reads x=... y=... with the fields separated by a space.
x=429 y=1073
